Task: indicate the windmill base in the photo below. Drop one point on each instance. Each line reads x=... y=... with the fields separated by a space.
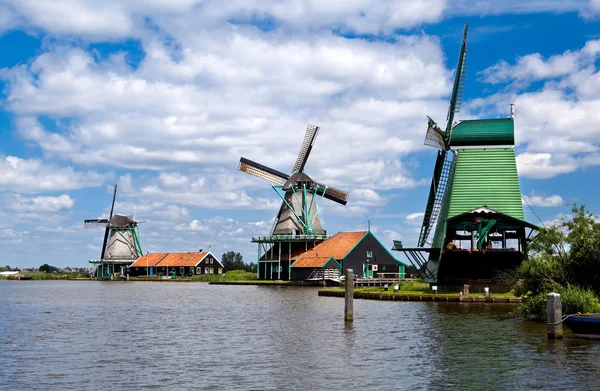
x=276 y=253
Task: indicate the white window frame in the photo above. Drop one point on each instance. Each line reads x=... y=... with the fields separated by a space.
x=206 y=270
x=198 y=270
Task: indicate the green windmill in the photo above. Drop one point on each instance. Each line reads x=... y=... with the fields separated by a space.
x=473 y=227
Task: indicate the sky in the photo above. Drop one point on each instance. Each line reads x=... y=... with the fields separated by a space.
x=164 y=96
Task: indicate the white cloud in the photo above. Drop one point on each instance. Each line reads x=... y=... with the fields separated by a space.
x=555 y=127
x=32 y=176
x=41 y=203
x=414 y=216
x=113 y=19
x=236 y=99
x=534 y=67
x=544 y=201
x=543 y=165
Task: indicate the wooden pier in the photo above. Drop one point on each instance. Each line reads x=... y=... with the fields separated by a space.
x=420 y=297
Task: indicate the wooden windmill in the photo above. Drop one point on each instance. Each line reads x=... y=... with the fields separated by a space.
x=474 y=197
x=299 y=211
x=120 y=246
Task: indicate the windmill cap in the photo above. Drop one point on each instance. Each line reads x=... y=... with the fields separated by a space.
x=120 y=221
x=296 y=179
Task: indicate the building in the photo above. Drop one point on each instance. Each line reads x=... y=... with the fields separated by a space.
x=360 y=251
x=178 y=264
x=276 y=253
x=474 y=227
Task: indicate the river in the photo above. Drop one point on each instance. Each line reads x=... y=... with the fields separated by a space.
x=61 y=335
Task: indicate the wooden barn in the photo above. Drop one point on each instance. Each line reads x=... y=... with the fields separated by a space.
x=359 y=251
x=178 y=264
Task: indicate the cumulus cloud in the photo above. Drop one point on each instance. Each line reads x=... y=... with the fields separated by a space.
x=117 y=19
x=534 y=67
x=554 y=126
x=414 y=216
x=32 y=176
x=41 y=203
x=544 y=201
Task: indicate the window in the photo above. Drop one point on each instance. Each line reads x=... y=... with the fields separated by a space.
x=198 y=270
x=192 y=270
x=211 y=270
x=220 y=270
x=182 y=270
x=205 y=270
x=211 y=261
x=369 y=254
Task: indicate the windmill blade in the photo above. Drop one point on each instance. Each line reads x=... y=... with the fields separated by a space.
x=333 y=194
x=459 y=82
x=434 y=136
x=264 y=172
x=307 y=144
x=94 y=223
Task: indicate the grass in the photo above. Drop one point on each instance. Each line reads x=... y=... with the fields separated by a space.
x=415 y=288
x=233 y=275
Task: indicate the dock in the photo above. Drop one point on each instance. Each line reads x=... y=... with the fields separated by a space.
x=421 y=297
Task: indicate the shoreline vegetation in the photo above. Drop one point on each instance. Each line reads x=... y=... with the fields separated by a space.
x=564 y=258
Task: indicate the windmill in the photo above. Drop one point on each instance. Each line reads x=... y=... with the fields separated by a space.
x=121 y=245
x=297 y=227
x=474 y=196
x=298 y=214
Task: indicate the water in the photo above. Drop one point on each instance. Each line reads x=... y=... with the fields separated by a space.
x=60 y=335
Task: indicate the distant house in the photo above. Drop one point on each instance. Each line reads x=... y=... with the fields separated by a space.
x=180 y=264
x=360 y=251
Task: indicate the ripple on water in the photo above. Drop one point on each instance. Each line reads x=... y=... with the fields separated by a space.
x=93 y=335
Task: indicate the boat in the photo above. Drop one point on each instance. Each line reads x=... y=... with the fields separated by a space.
x=584 y=325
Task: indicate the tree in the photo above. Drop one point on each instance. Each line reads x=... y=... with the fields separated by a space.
x=235 y=261
x=48 y=269
x=564 y=254
x=232 y=261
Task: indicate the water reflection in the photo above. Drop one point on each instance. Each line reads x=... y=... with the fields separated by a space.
x=84 y=335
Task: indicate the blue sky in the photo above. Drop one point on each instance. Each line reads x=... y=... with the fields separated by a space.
x=164 y=97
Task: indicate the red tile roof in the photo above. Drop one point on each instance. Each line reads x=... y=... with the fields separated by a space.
x=297 y=250
x=148 y=260
x=337 y=246
x=171 y=259
x=311 y=261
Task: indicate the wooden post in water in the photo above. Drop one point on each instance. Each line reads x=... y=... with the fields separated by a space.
x=349 y=296
x=554 y=316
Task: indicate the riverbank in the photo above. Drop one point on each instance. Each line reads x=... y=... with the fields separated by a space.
x=371 y=294
x=253 y=282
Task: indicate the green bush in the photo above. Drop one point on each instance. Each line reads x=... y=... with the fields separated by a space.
x=574 y=299
x=542 y=273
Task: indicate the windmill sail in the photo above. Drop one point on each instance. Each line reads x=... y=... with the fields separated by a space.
x=459 y=83
x=444 y=163
x=264 y=172
x=94 y=223
x=435 y=136
x=307 y=144
x=333 y=194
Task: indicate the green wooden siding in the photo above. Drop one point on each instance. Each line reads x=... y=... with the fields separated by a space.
x=486 y=177
x=482 y=132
